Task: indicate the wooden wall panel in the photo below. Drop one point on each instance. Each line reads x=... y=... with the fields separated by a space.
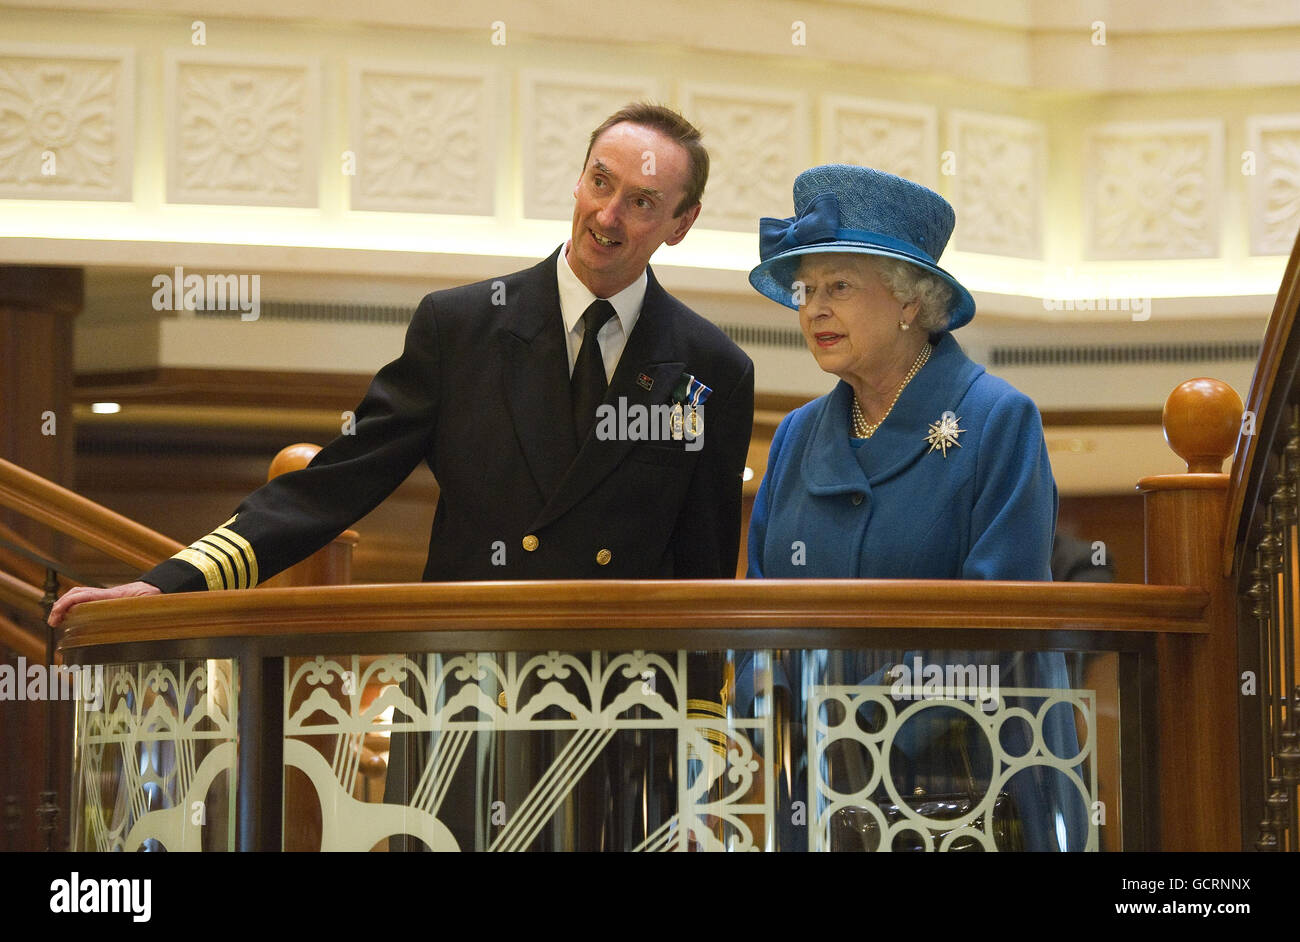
x=37 y=308
x=1114 y=519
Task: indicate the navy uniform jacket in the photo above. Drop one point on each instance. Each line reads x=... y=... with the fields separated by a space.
x=481 y=392
x=894 y=508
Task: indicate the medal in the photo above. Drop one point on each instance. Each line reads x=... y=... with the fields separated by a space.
x=694 y=423
x=689 y=393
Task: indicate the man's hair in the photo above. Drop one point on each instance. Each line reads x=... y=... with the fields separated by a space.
x=670 y=124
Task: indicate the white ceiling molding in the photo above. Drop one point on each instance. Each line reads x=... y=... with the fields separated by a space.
x=1153 y=190
x=68 y=129
x=242 y=129
x=1014 y=43
x=759 y=140
x=421 y=140
x=1273 y=143
x=897 y=138
x=997 y=177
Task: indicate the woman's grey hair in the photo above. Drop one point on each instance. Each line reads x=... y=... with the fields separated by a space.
x=906 y=282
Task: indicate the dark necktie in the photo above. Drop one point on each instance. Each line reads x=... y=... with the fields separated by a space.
x=588 y=385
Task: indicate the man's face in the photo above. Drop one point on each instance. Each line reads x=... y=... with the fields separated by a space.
x=634 y=180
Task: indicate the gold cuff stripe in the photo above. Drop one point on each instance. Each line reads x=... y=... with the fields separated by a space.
x=715 y=736
x=215 y=538
x=718 y=749
x=702 y=708
x=204 y=564
x=221 y=555
x=225 y=558
x=244 y=547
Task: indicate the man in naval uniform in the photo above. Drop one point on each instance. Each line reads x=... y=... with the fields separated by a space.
x=497 y=389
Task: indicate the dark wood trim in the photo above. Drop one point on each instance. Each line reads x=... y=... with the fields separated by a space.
x=45 y=288
x=335 y=392
x=21 y=641
x=260 y=388
x=779 y=402
x=1100 y=417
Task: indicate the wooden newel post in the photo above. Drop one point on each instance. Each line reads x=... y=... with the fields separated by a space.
x=1198 y=686
x=330 y=565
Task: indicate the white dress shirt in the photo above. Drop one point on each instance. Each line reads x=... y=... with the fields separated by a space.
x=575 y=298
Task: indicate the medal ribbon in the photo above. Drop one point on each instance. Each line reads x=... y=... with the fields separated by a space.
x=696 y=392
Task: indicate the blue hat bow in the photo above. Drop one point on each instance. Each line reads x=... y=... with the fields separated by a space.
x=819 y=222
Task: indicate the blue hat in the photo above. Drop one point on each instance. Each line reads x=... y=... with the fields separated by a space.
x=842 y=208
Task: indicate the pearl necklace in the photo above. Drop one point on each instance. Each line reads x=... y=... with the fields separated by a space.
x=863 y=429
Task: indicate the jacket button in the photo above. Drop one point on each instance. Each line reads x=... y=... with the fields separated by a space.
x=530 y=542
x=857 y=499
x=603 y=557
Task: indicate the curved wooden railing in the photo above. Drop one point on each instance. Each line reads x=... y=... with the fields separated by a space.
x=25 y=584
x=534 y=612
x=82 y=519
x=264 y=632
x=1270 y=389
x=1261 y=555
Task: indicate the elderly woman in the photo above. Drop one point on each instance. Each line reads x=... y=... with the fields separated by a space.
x=918 y=464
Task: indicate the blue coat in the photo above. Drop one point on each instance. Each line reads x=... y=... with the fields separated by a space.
x=893 y=507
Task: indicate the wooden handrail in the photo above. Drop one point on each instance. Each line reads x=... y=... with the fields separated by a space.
x=26 y=569
x=20 y=596
x=21 y=641
x=1271 y=363
x=84 y=520
x=667 y=604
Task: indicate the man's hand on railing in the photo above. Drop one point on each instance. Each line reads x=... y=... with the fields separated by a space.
x=84 y=594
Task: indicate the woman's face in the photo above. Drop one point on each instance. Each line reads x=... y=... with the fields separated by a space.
x=849 y=318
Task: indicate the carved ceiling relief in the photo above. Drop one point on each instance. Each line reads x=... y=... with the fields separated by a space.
x=895 y=142
x=757 y=146
x=243 y=134
x=422 y=144
x=1275 y=183
x=1153 y=192
x=61 y=135
x=997 y=176
x=247 y=132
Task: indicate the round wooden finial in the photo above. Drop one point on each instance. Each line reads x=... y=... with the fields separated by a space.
x=292 y=458
x=1202 y=418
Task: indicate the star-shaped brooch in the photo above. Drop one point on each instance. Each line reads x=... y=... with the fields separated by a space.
x=944 y=433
